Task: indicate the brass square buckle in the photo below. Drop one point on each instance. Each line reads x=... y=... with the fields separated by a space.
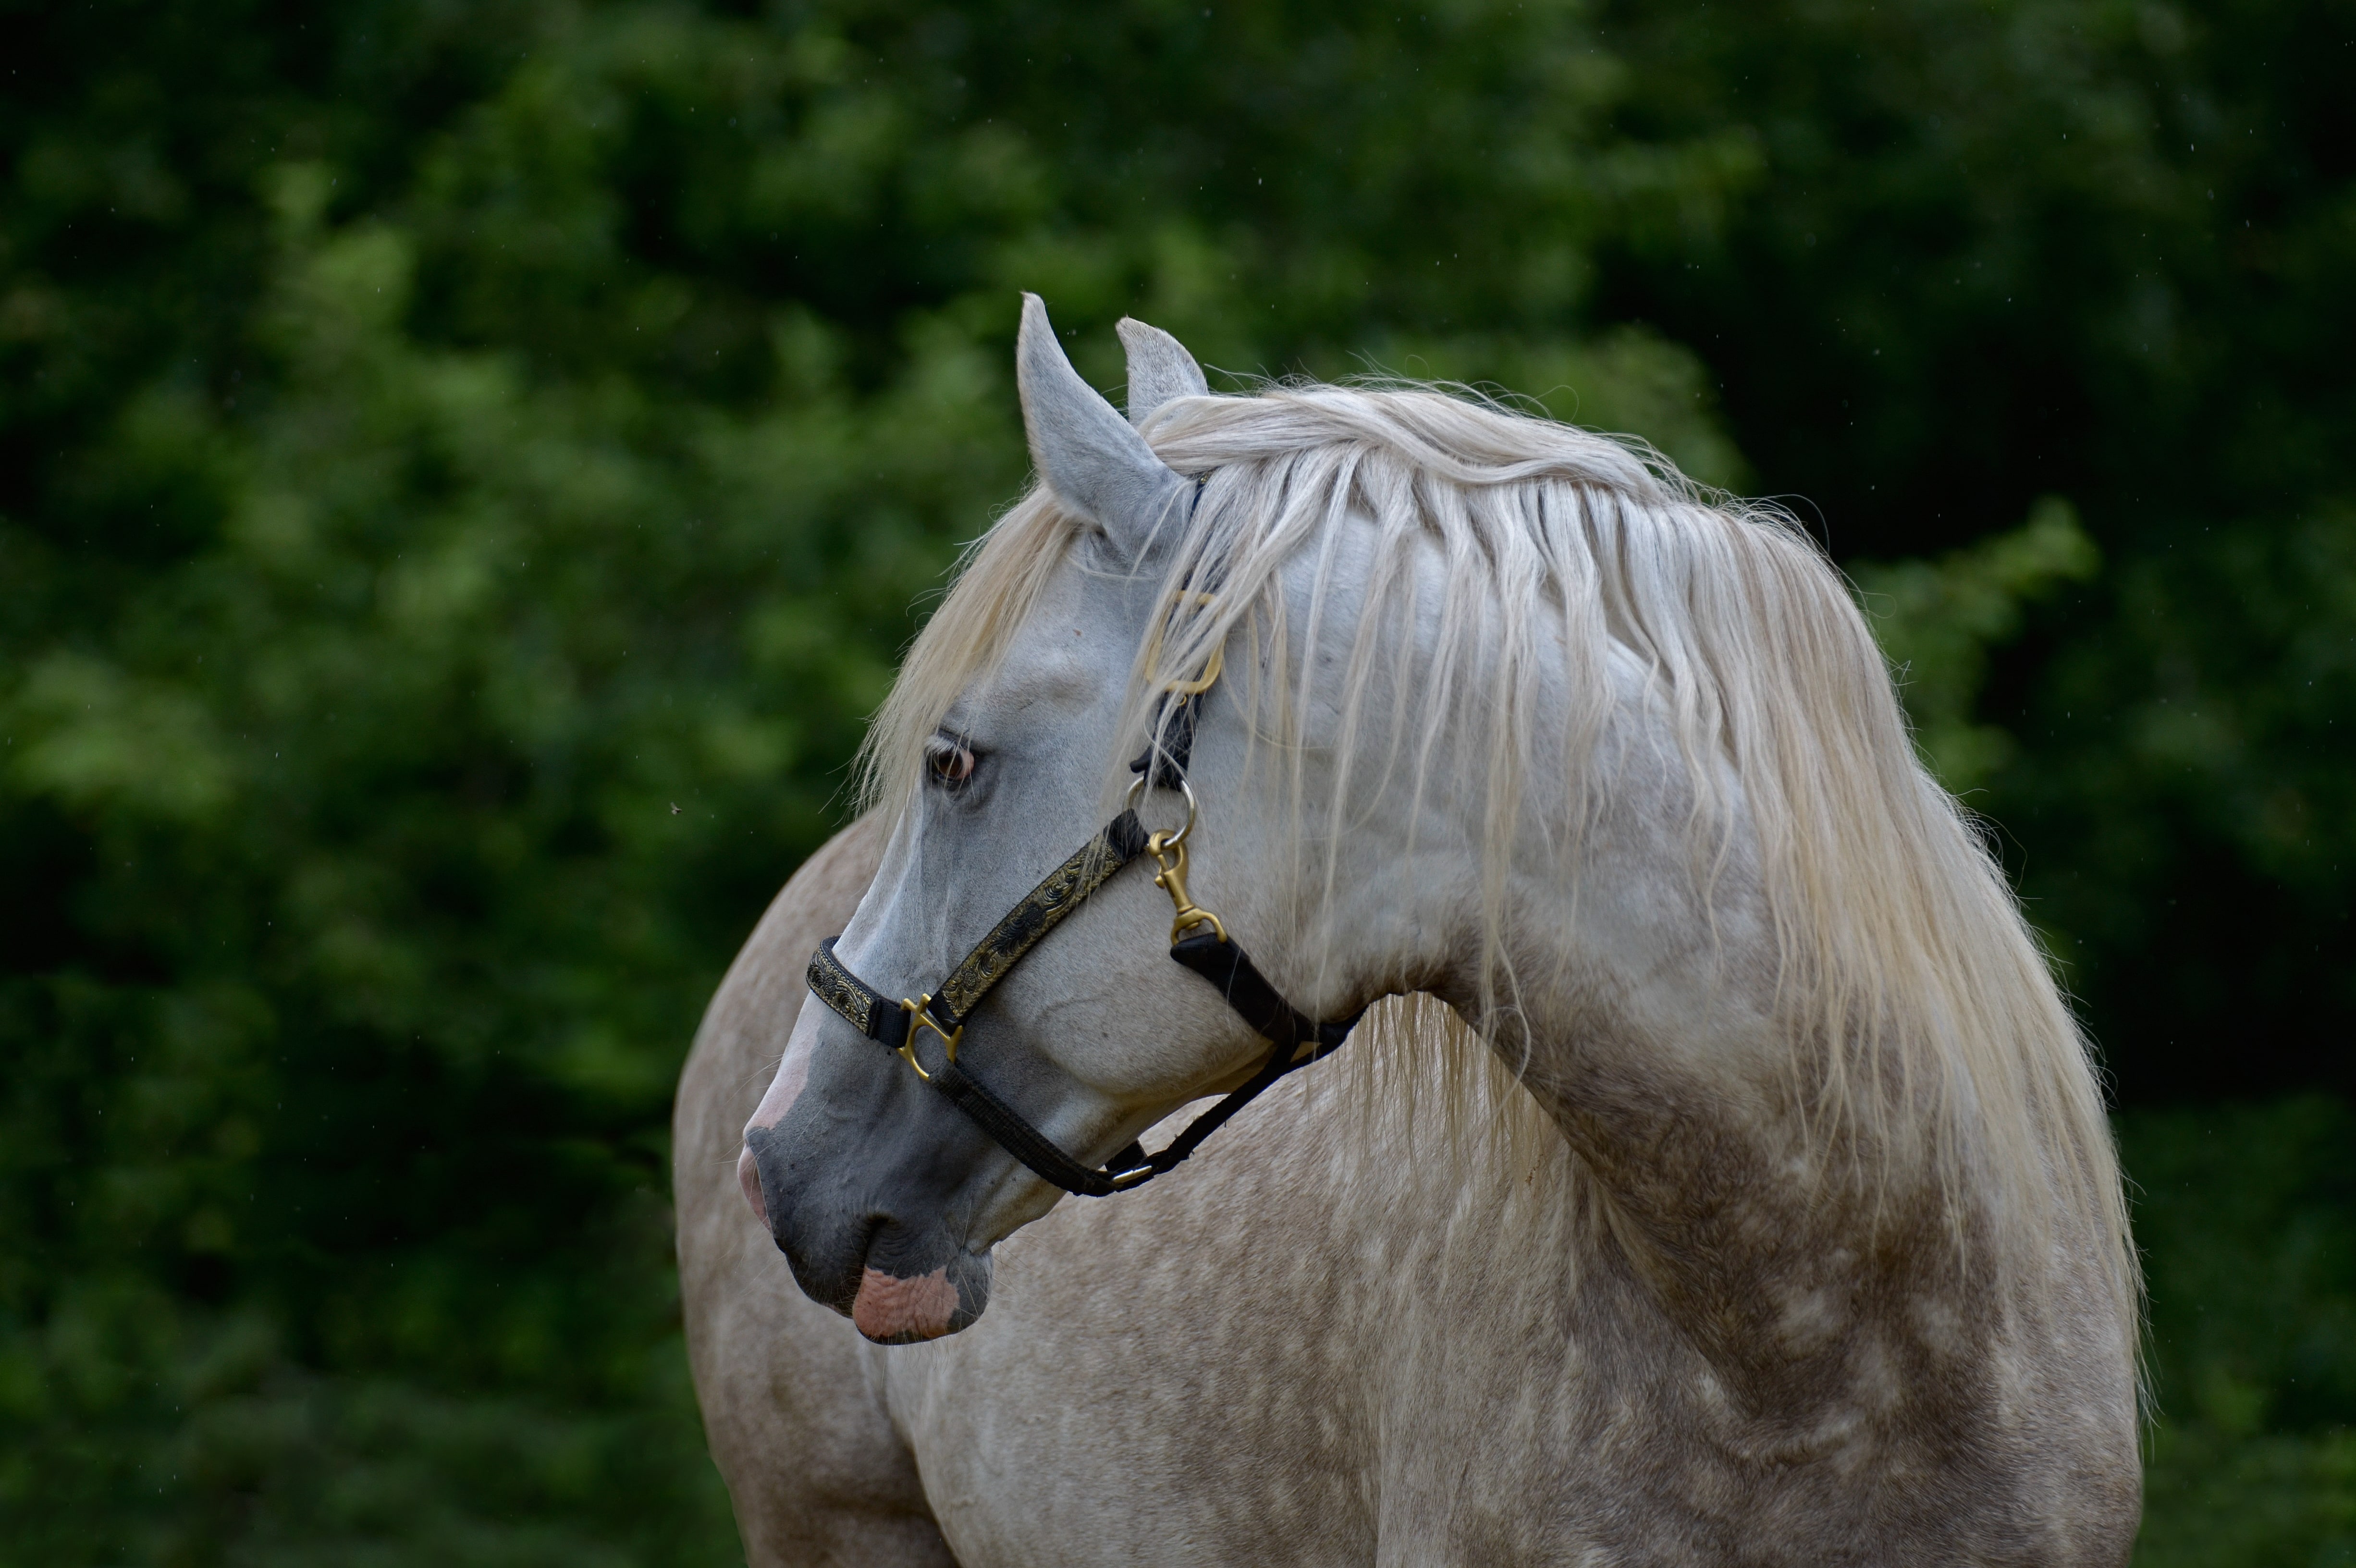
x=919 y=1019
x=1200 y=603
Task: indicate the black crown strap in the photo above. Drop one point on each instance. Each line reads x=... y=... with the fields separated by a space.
x=1169 y=747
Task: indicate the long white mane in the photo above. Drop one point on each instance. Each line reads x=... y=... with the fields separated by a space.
x=1924 y=1021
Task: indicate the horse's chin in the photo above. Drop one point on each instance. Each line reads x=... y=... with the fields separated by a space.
x=897 y=1310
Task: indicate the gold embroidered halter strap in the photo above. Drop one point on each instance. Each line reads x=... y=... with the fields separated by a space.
x=1197 y=940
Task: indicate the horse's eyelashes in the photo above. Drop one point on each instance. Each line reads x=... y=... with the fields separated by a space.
x=950 y=763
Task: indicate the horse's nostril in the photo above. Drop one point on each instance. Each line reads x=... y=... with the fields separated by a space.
x=748 y=1177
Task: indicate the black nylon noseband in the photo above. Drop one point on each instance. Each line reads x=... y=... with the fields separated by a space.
x=1295 y=1040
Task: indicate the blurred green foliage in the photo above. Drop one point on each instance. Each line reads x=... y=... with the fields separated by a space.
x=2247 y=1218
x=2000 y=250
x=466 y=472
x=1938 y=620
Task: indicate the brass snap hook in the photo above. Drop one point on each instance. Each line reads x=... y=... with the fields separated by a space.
x=1169 y=851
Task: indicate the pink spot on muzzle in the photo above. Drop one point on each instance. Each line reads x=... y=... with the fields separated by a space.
x=891 y=1310
x=785 y=1087
x=792 y=1076
x=748 y=1177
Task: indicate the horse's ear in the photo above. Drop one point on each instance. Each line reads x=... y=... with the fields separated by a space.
x=1159 y=369
x=1087 y=454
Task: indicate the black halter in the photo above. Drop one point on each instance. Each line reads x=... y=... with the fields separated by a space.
x=1296 y=1040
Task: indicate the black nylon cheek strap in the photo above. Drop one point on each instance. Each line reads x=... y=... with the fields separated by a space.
x=1295 y=1040
x=887 y=1023
x=1043 y=909
x=1274 y=1020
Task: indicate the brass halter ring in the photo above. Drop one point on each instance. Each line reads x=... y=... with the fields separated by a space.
x=1137 y=789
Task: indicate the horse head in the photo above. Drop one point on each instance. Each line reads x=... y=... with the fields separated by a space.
x=954 y=1069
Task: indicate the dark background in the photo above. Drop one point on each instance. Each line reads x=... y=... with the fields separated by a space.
x=466 y=471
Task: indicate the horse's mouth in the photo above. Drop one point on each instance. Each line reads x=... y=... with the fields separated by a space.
x=896 y=1310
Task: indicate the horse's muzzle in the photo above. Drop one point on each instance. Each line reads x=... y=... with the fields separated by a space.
x=900 y=1283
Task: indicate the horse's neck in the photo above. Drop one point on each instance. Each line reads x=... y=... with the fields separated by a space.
x=1637 y=998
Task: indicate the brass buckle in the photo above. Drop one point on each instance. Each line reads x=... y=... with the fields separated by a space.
x=1211 y=666
x=919 y=1019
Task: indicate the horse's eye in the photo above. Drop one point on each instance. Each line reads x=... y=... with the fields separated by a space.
x=950 y=763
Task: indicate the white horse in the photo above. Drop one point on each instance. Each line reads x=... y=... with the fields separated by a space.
x=1774 y=1217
